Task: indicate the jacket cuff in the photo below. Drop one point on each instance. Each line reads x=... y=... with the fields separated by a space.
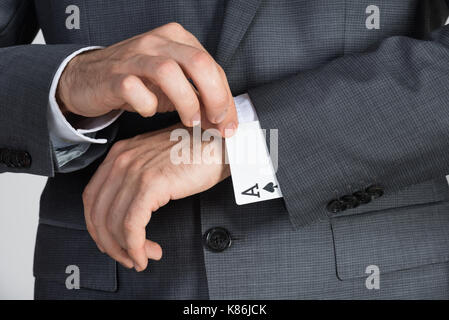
x=27 y=74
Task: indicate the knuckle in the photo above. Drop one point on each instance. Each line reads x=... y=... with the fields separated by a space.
x=137 y=137
x=127 y=84
x=165 y=68
x=221 y=70
x=174 y=27
x=145 y=39
x=136 y=166
x=191 y=38
x=142 y=43
x=145 y=179
x=201 y=59
x=117 y=147
x=129 y=227
x=122 y=160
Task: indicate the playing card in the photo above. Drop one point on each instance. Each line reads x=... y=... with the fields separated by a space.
x=252 y=171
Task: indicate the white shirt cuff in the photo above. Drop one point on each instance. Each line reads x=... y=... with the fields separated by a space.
x=245 y=109
x=62 y=134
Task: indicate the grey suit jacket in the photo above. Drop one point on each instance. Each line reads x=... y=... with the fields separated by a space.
x=363 y=120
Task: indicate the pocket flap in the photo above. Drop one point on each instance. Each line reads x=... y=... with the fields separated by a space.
x=57 y=248
x=394 y=239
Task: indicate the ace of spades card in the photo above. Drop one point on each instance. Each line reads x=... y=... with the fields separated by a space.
x=252 y=171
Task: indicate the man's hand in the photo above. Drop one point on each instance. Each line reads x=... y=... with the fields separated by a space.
x=138 y=177
x=150 y=73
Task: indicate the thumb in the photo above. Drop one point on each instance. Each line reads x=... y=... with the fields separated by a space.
x=153 y=250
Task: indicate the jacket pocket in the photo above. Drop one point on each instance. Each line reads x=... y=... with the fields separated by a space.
x=392 y=240
x=57 y=248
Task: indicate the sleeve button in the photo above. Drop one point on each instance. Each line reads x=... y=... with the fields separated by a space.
x=335 y=206
x=375 y=191
x=350 y=201
x=362 y=196
x=24 y=159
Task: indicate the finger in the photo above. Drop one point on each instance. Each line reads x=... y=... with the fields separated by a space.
x=204 y=71
x=135 y=239
x=94 y=223
x=163 y=102
x=137 y=251
x=227 y=128
x=153 y=250
x=95 y=184
x=147 y=200
x=105 y=238
x=170 y=78
x=229 y=125
x=130 y=234
x=134 y=92
x=89 y=196
x=113 y=249
x=106 y=194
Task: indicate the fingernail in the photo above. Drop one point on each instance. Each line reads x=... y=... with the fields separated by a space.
x=230 y=129
x=196 y=119
x=221 y=117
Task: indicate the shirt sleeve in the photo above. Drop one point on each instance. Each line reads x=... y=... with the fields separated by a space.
x=245 y=109
x=70 y=143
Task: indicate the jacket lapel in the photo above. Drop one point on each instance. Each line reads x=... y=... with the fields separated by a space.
x=237 y=18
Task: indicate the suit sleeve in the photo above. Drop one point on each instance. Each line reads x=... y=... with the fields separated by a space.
x=26 y=73
x=380 y=118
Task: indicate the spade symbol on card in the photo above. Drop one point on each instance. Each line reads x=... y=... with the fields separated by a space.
x=250 y=191
x=270 y=187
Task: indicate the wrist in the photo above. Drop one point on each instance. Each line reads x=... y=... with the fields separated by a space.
x=72 y=116
x=62 y=90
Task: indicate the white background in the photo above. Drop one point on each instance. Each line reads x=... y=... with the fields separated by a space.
x=19 y=207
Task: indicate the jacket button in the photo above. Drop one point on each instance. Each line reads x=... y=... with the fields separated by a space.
x=375 y=191
x=335 y=206
x=362 y=196
x=217 y=239
x=350 y=201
